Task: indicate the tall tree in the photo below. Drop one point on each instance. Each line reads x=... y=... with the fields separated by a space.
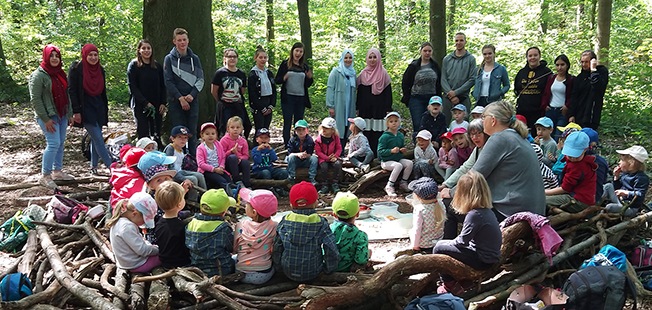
x=380 y=17
x=545 y=16
x=603 y=31
x=451 y=14
x=161 y=17
x=269 y=11
x=6 y=81
x=437 y=23
x=304 y=26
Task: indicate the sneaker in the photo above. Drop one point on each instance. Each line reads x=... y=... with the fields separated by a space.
x=390 y=191
x=365 y=168
x=60 y=175
x=403 y=185
x=336 y=188
x=94 y=172
x=47 y=181
x=323 y=190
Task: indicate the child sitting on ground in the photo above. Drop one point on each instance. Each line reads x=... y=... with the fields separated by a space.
x=127 y=179
x=209 y=238
x=630 y=181
x=462 y=144
x=211 y=158
x=448 y=161
x=147 y=144
x=391 y=149
x=254 y=238
x=328 y=149
x=549 y=178
x=263 y=157
x=359 y=153
x=579 y=178
x=170 y=229
x=300 y=148
x=459 y=116
x=434 y=121
x=560 y=163
x=352 y=243
x=544 y=139
x=478 y=244
x=428 y=216
x=425 y=156
x=131 y=251
x=236 y=149
x=179 y=136
x=603 y=166
x=304 y=245
x=476 y=113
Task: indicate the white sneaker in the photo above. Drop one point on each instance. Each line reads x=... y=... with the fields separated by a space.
x=365 y=168
x=47 y=181
x=60 y=175
x=390 y=191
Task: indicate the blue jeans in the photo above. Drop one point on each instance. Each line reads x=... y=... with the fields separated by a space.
x=53 y=153
x=293 y=107
x=215 y=180
x=98 y=147
x=189 y=118
x=235 y=168
x=362 y=160
x=418 y=105
x=558 y=119
x=295 y=162
x=274 y=173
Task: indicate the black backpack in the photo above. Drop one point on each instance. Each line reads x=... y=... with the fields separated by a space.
x=597 y=288
x=436 y=302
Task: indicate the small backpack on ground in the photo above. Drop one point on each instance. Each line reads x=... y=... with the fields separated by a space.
x=608 y=255
x=15 y=286
x=66 y=209
x=597 y=288
x=13 y=232
x=446 y=301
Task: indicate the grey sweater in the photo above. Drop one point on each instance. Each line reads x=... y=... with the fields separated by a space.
x=130 y=248
x=458 y=74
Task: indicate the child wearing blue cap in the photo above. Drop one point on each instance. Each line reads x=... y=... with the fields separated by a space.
x=579 y=176
x=459 y=117
x=544 y=139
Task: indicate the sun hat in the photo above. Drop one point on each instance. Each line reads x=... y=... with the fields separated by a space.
x=303 y=194
x=146 y=205
x=478 y=110
x=328 y=122
x=424 y=134
x=435 y=100
x=207 y=125
x=458 y=130
x=156 y=171
x=638 y=152
x=425 y=188
x=262 y=200
x=261 y=131
x=593 y=135
x=447 y=135
x=215 y=202
x=346 y=205
x=180 y=130
x=570 y=125
x=358 y=122
x=133 y=156
x=545 y=122
x=459 y=107
x=144 y=142
x=301 y=124
x=393 y=113
x=575 y=144
x=154 y=158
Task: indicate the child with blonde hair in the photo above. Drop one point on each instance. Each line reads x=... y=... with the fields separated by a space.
x=170 y=229
x=328 y=149
x=236 y=150
x=462 y=144
x=132 y=251
x=391 y=149
x=425 y=156
x=630 y=181
x=478 y=244
x=428 y=217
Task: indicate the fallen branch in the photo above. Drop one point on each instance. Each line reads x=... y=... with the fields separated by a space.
x=104 y=281
x=159 y=293
x=121 y=280
x=27 y=261
x=86 y=180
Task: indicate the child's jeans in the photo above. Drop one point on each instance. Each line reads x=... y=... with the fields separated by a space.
x=151 y=263
x=216 y=180
x=362 y=160
x=196 y=178
x=335 y=167
x=615 y=206
x=565 y=200
x=235 y=168
x=273 y=173
x=295 y=162
x=423 y=169
x=396 y=167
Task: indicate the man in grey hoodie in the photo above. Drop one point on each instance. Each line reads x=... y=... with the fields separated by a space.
x=457 y=76
x=184 y=80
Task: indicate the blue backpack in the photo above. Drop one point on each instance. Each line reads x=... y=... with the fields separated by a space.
x=446 y=301
x=15 y=286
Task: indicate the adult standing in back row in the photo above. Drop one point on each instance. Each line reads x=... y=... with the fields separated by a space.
x=184 y=80
x=587 y=96
x=457 y=76
x=374 y=97
x=528 y=86
x=295 y=77
x=421 y=81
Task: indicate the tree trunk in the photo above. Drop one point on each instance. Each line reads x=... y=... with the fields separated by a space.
x=269 y=11
x=6 y=81
x=594 y=4
x=161 y=17
x=437 y=22
x=578 y=16
x=304 y=26
x=380 y=17
x=603 y=31
x=544 y=16
x=451 y=14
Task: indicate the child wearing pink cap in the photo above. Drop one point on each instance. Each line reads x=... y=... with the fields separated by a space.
x=254 y=239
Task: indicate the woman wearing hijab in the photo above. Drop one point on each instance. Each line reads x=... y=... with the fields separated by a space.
x=340 y=94
x=47 y=91
x=374 y=97
x=87 y=90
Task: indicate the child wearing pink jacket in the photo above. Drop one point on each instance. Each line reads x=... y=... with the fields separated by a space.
x=236 y=150
x=211 y=158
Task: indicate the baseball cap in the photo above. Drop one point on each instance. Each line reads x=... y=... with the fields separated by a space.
x=425 y=188
x=358 y=122
x=154 y=158
x=328 y=122
x=593 y=135
x=393 y=113
x=460 y=107
x=447 y=135
x=575 y=144
x=215 y=202
x=180 y=130
x=478 y=110
x=146 y=205
x=346 y=205
x=521 y=118
x=570 y=125
x=638 y=152
x=262 y=200
x=435 y=100
x=144 y=142
x=132 y=156
x=156 y=171
x=123 y=151
x=458 y=130
x=303 y=194
x=262 y=131
x=424 y=134
x=207 y=125
x=301 y=124
x=545 y=122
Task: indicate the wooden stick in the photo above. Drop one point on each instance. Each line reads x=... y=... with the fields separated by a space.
x=273 y=289
x=42 y=268
x=86 y=180
x=138 y=296
x=163 y=275
x=99 y=241
x=121 y=280
x=27 y=261
x=219 y=295
x=104 y=281
x=250 y=297
x=191 y=287
x=159 y=293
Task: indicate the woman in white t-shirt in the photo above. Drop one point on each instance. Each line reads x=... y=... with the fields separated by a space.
x=491 y=81
x=557 y=93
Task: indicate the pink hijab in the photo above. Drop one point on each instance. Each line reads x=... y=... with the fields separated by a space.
x=375 y=76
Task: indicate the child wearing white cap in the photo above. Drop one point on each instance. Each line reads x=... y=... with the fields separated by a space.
x=328 y=149
x=630 y=181
x=359 y=152
x=425 y=156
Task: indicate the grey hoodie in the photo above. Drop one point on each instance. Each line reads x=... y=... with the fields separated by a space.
x=183 y=74
x=458 y=74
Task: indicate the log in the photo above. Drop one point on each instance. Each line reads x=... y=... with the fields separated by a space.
x=91 y=263
x=121 y=280
x=27 y=261
x=96 y=301
x=42 y=268
x=183 y=285
x=223 y=298
x=368 y=179
x=273 y=289
x=43 y=200
x=86 y=180
x=104 y=281
x=137 y=294
x=250 y=297
x=159 y=293
x=264 y=184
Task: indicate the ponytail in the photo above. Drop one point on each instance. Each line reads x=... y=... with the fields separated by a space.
x=117 y=211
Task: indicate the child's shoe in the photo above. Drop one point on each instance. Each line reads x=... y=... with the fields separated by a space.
x=403 y=185
x=390 y=191
x=323 y=190
x=365 y=168
x=335 y=187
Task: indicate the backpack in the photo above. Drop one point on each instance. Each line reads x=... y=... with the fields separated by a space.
x=598 y=287
x=446 y=301
x=608 y=255
x=65 y=209
x=15 y=286
x=13 y=232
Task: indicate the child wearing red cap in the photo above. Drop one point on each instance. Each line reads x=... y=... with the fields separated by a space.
x=448 y=160
x=127 y=179
x=304 y=245
x=254 y=238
